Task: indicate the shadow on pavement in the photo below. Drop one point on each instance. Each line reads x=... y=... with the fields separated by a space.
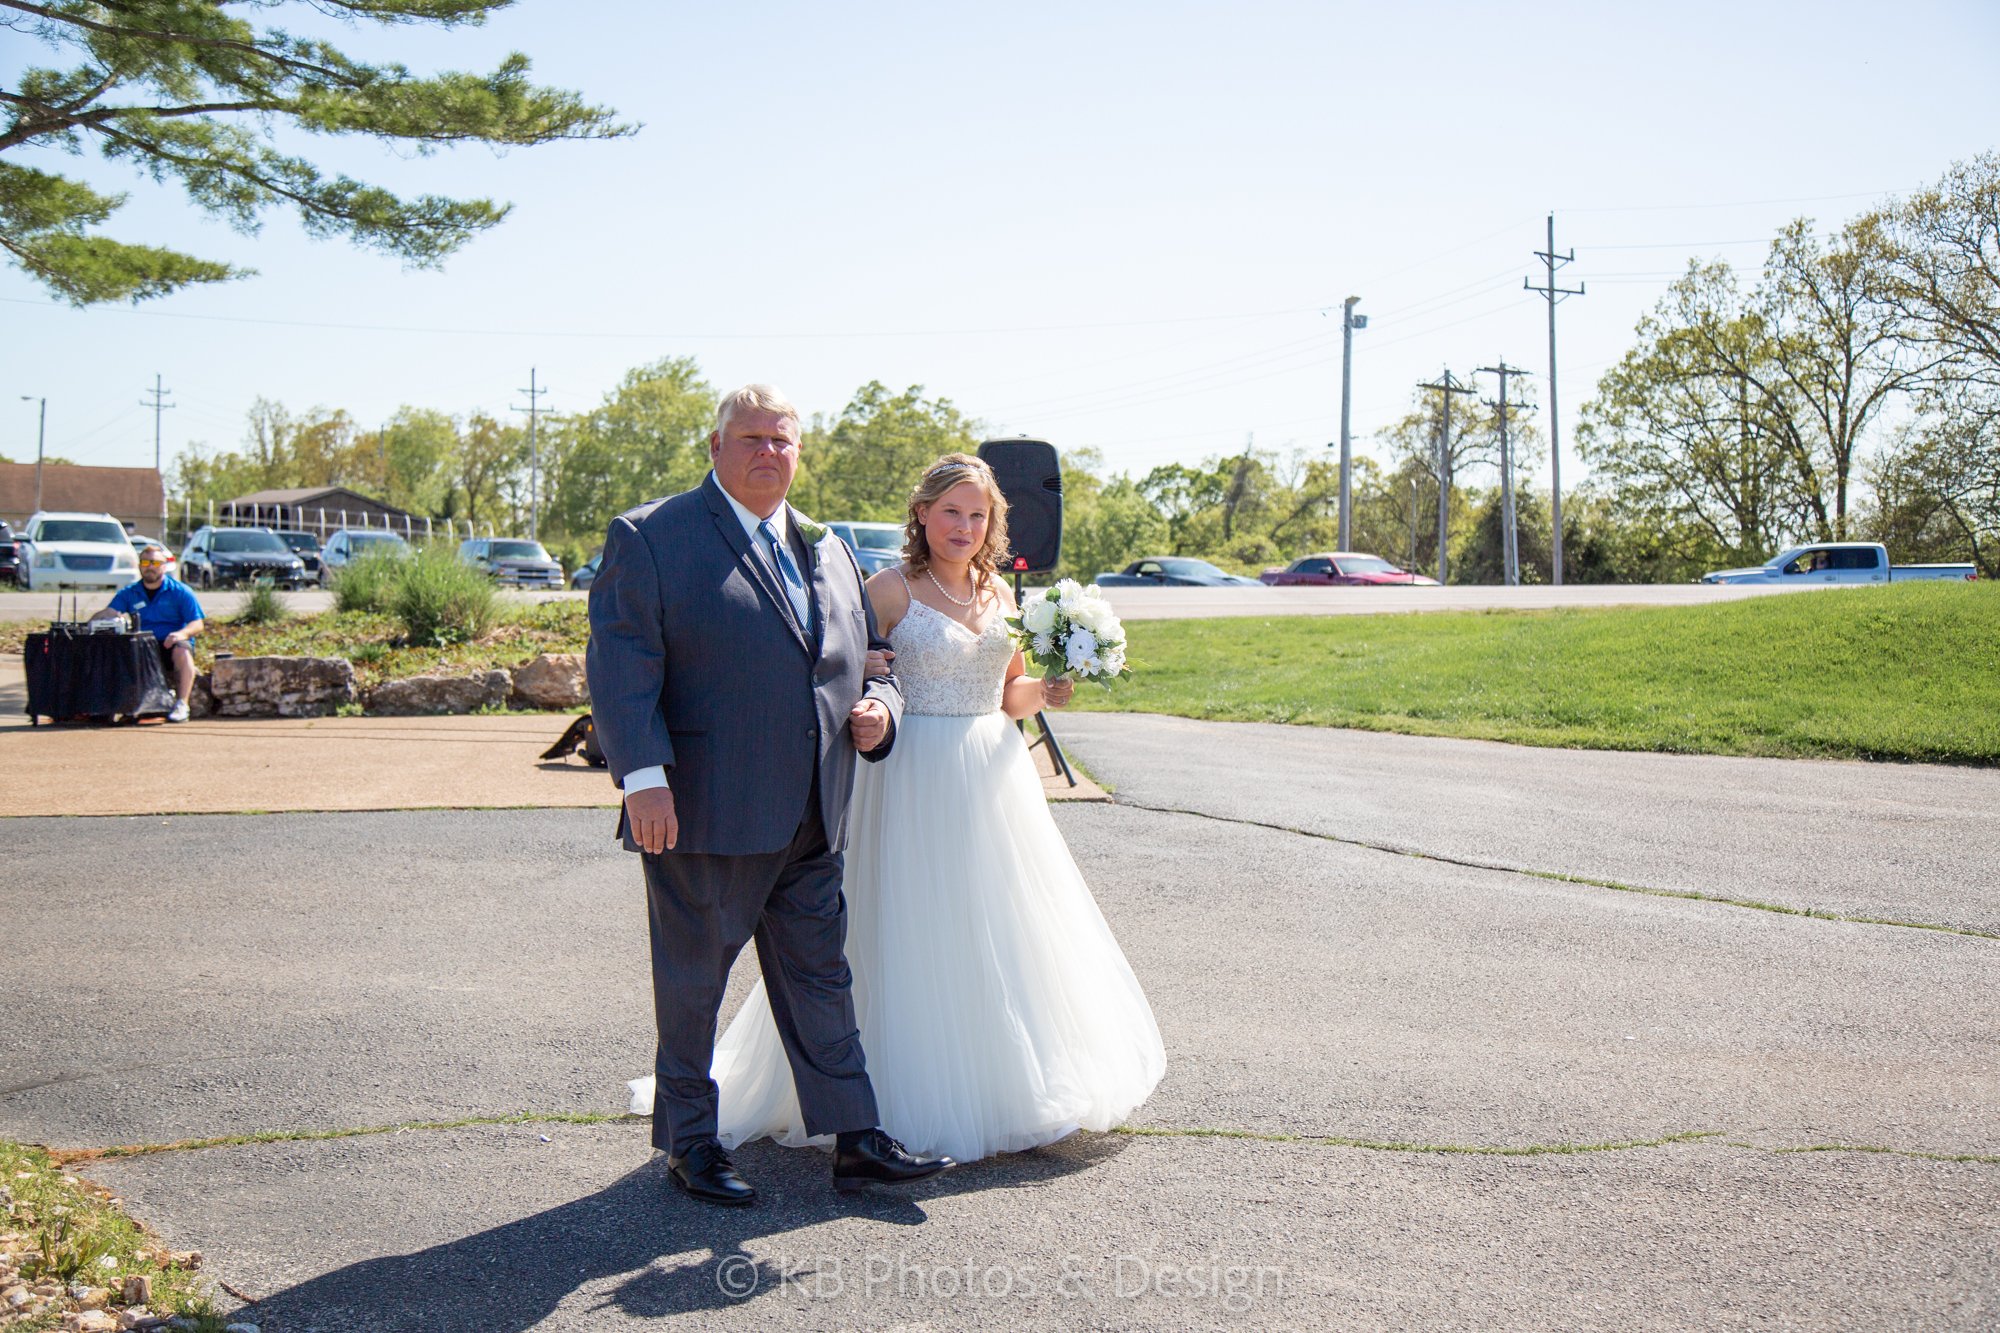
x=510 y=1278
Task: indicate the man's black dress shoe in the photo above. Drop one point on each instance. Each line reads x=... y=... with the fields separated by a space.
x=870 y=1157
x=706 y=1173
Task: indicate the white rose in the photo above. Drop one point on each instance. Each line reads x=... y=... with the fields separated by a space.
x=1039 y=617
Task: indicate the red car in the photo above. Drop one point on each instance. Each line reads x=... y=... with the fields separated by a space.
x=1345 y=569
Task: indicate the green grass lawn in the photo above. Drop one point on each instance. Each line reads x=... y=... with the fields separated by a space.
x=1907 y=672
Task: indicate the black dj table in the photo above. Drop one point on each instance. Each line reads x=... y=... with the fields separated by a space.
x=74 y=674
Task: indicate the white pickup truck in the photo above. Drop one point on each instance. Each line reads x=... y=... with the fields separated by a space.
x=1837 y=562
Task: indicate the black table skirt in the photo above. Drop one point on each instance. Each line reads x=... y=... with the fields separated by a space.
x=95 y=675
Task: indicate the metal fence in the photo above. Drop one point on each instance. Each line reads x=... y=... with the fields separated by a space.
x=322 y=522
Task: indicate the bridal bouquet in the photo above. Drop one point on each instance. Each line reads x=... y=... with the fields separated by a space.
x=1071 y=630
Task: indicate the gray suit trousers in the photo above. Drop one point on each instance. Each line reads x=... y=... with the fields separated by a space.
x=703 y=910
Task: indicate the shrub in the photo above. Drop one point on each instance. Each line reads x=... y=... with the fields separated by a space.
x=366 y=584
x=441 y=600
x=262 y=606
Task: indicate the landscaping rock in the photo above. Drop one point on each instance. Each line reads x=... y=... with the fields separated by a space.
x=414 y=695
x=90 y=1321
x=281 y=686
x=201 y=699
x=553 y=680
x=138 y=1290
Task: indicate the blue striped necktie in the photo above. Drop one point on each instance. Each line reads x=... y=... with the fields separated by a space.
x=788 y=571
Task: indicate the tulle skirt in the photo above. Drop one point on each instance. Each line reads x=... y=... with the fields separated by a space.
x=996 y=1009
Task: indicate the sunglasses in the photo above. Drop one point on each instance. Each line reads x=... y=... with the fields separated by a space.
x=152 y=564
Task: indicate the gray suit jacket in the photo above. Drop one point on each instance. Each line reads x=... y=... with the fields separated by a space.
x=696 y=661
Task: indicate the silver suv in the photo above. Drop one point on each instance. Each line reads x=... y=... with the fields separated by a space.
x=513 y=561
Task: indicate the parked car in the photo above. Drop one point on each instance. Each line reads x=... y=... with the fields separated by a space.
x=1172 y=571
x=10 y=555
x=140 y=541
x=218 y=557
x=350 y=544
x=1342 y=569
x=306 y=547
x=876 y=546
x=514 y=561
x=586 y=573
x=1837 y=562
x=71 y=550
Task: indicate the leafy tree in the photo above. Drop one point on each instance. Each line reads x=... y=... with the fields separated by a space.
x=189 y=91
x=484 y=463
x=1938 y=490
x=861 y=467
x=1676 y=433
x=1106 y=524
x=648 y=438
x=1181 y=494
x=1942 y=261
x=1841 y=354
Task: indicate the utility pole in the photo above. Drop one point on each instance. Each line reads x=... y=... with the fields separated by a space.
x=41 y=438
x=1510 y=546
x=1554 y=295
x=534 y=454
x=1447 y=385
x=159 y=404
x=1349 y=322
x=1413 y=524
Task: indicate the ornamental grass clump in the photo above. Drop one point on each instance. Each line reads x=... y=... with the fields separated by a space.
x=441 y=600
x=365 y=583
x=263 y=606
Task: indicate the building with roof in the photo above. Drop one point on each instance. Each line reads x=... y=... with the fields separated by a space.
x=132 y=495
x=318 y=510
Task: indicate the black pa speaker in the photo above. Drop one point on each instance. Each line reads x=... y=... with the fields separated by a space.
x=1030 y=476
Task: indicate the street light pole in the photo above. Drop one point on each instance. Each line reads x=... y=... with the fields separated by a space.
x=1349 y=322
x=41 y=438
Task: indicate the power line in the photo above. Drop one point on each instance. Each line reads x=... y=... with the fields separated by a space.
x=1740 y=203
x=1446 y=385
x=159 y=404
x=1554 y=295
x=1510 y=547
x=534 y=455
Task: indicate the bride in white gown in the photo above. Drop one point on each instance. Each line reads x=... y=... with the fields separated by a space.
x=996 y=1010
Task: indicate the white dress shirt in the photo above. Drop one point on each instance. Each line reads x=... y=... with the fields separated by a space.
x=655 y=775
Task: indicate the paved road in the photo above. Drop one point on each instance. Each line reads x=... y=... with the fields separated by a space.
x=1150 y=603
x=1910 y=842
x=205 y=975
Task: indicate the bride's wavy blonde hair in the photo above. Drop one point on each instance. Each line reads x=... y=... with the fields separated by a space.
x=939 y=477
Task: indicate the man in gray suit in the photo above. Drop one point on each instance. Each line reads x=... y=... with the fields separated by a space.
x=728 y=639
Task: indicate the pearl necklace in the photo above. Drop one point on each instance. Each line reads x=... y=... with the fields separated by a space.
x=955 y=601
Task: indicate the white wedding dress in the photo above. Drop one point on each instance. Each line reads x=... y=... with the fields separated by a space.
x=996 y=1010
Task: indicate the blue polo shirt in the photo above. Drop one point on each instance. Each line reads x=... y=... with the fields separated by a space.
x=162 y=612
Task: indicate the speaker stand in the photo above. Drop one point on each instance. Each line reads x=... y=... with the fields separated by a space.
x=1048 y=736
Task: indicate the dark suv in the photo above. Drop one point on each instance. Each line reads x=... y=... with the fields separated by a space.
x=10 y=556
x=306 y=547
x=216 y=557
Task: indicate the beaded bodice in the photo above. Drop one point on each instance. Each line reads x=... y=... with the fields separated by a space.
x=946 y=669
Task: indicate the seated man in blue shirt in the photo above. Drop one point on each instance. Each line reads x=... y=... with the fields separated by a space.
x=167 y=609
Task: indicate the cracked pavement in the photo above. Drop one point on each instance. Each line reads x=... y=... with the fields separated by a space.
x=193 y=976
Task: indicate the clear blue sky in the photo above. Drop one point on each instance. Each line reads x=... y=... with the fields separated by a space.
x=1122 y=225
